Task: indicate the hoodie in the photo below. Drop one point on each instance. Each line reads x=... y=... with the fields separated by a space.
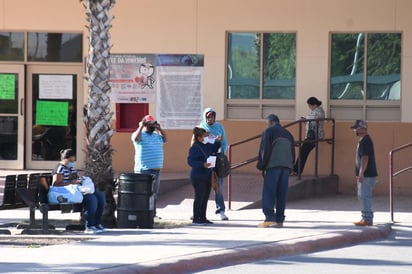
x=214 y=130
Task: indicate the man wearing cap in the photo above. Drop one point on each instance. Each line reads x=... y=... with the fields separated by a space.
x=366 y=172
x=275 y=160
x=148 y=140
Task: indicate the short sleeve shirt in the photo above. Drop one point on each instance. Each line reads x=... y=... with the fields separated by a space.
x=365 y=147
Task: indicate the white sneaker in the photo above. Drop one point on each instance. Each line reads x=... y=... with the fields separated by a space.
x=223 y=217
x=91 y=230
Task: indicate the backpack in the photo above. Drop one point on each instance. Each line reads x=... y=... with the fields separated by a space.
x=222 y=166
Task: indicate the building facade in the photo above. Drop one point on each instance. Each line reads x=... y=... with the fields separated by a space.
x=266 y=56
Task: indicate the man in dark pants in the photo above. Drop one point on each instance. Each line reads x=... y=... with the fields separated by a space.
x=275 y=160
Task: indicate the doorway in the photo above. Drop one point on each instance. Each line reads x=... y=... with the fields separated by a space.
x=11 y=116
x=54 y=109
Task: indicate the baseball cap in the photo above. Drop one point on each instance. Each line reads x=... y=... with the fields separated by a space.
x=149 y=119
x=273 y=118
x=359 y=123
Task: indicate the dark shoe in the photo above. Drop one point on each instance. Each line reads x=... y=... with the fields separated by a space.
x=362 y=223
x=198 y=223
x=207 y=222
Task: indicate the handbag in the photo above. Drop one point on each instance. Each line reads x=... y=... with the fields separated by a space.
x=64 y=194
x=310 y=134
x=86 y=186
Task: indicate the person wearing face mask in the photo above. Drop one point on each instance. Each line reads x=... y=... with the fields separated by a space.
x=216 y=130
x=148 y=140
x=366 y=172
x=201 y=171
x=65 y=174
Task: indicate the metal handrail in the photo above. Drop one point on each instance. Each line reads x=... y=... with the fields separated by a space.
x=393 y=174
x=297 y=143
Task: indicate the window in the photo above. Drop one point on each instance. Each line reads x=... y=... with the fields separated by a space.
x=365 y=76
x=261 y=70
x=55 y=47
x=11 y=46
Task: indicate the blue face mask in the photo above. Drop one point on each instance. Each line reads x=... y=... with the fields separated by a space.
x=70 y=165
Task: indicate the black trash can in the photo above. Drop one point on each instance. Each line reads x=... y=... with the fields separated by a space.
x=135 y=201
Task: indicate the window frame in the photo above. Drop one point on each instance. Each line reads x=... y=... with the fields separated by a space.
x=366 y=109
x=257 y=108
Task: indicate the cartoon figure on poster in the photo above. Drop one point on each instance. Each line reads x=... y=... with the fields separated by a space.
x=146 y=78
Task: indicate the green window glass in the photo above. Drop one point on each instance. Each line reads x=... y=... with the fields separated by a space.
x=54 y=47
x=279 y=63
x=243 y=69
x=261 y=70
x=365 y=66
x=11 y=46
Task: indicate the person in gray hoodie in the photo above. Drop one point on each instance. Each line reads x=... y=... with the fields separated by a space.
x=275 y=160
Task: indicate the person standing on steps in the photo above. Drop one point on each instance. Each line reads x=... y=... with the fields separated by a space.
x=148 y=140
x=275 y=160
x=366 y=171
x=216 y=130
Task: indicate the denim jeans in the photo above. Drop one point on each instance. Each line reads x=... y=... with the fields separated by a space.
x=156 y=187
x=94 y=206
x=365 y=197
x=220 y=202
x=275 y=189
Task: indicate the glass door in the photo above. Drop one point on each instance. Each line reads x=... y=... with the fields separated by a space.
x=11 y=116
x=54 y=112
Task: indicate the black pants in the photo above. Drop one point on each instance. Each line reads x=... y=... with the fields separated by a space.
x=202 y=187
x=303 y=156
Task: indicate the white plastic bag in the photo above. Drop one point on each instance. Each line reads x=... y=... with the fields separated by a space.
x=86 y=186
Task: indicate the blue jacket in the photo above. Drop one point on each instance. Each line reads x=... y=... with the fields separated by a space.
x=198 y=153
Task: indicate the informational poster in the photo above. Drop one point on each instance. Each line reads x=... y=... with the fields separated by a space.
x=7 y=86
x=132 y=78
x=179 y=104
x=174 y=82
x=51 y=113
x=56 y=87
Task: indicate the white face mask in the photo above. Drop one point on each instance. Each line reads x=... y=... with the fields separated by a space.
x=205 y=140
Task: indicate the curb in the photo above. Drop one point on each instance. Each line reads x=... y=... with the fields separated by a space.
x=227 y=257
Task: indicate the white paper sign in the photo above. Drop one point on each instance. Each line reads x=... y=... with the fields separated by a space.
x=56 y=87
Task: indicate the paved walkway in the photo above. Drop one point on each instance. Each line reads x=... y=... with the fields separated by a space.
x=174 y=246
x=311 y=225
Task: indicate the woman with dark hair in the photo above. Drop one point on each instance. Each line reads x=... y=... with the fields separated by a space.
x=65 y=174
x=312 y=127
x=201 y=172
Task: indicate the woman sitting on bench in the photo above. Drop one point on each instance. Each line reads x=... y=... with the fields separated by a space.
x=65 y=174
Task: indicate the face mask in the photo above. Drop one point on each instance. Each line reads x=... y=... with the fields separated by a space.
x=151 y=129
x=205 y=140
x=70 y=164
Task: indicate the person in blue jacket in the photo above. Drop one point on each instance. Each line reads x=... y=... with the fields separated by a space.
x=216 y=130
x=201 y=171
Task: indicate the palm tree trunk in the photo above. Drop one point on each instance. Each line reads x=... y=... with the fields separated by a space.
x=97 y=114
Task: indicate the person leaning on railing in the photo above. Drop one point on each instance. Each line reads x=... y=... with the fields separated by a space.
x=316 y=112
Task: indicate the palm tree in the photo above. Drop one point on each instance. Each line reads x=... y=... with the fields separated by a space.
x=97 y=113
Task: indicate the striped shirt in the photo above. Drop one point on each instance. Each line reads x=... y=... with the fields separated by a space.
x=148 y=152
x=68 y=173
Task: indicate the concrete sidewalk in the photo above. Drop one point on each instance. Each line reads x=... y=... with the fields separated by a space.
x=310 y=225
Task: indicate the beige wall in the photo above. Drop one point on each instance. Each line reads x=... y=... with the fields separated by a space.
x=189 y=26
